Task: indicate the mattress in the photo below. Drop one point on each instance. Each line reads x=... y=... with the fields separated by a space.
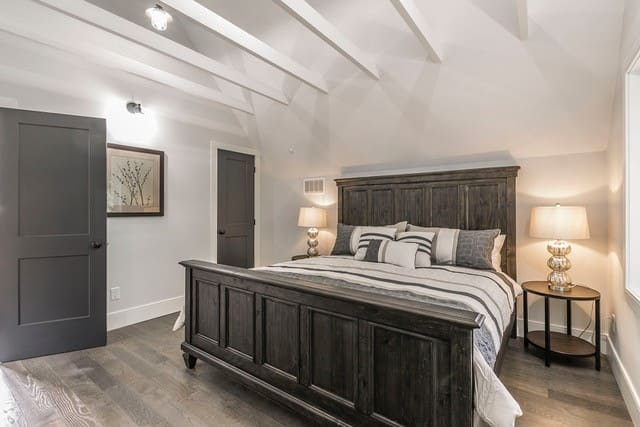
x=489 y=293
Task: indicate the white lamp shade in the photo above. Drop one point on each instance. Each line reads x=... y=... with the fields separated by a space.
x=312 y=217
x=559 y=222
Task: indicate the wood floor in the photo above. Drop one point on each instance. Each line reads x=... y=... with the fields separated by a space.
x=139 y=379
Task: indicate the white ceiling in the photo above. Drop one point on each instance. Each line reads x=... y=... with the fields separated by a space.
x=494 y=94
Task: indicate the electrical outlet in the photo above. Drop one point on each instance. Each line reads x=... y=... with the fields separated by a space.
x=115 y=293
x=612 y=323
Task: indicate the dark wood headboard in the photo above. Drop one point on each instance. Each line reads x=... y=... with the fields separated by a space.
x=472 y=199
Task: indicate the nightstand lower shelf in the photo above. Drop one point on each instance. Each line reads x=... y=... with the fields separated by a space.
x=562 y=344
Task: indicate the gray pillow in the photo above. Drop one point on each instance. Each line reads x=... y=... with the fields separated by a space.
x=475 y=247
x=343 y=240
x=465 y=248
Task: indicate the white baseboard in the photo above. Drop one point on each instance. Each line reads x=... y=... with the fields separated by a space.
x=588 y=335
x=129 y=316
x=628 y=391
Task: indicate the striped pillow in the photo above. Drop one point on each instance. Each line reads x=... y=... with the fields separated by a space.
x=372 y=233
x=424 y=240
x=390 y=252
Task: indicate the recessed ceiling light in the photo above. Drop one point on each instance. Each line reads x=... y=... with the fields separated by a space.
x=160 y=18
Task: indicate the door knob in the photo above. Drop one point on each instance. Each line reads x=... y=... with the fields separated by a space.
x=96 y=245
x=222 y=231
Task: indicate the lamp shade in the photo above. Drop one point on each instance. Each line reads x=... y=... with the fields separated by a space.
x=559 y=222
x=312 y=217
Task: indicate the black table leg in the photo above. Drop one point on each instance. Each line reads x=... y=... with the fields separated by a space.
x=597 y=338
x=569 y=317
x=525 y=314
x=547 y=333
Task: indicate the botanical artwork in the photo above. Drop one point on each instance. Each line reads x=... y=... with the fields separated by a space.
x=135 y=180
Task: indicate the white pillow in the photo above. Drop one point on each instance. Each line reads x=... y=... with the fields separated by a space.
x=358 y=231
x=496 y=254
x=390 y=252
x=424 y=240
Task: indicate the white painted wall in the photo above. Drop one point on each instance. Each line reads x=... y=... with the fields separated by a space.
x=625 y=331
x=143 y=253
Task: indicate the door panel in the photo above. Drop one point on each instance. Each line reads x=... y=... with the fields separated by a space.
x=52 y=214
x=54 y=199
x=236 y=209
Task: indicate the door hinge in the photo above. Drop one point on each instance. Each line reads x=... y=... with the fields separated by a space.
x=254 y=169
x=254 y=222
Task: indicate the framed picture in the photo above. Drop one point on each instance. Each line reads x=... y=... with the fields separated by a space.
x=135 y=181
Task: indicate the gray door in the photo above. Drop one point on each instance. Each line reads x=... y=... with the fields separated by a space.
x=52 y=233
x=235 y=208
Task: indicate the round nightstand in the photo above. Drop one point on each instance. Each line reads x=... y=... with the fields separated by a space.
x=297 y=257
x=555 y=342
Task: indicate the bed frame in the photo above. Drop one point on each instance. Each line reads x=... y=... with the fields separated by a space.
x=348 y=357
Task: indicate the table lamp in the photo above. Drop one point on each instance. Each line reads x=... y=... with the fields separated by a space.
x=313 y=218
x=559 y=223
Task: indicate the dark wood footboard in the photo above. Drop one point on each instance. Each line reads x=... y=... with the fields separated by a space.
x=338 y=356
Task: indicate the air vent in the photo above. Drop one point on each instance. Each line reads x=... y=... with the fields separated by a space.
x=313 y=186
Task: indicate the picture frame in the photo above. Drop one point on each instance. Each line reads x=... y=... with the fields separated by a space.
x=135 y=181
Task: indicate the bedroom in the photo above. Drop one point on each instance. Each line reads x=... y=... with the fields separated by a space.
x=398 y=90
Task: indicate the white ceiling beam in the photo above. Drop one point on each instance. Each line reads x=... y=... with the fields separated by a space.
x=246 y=41
x=42 y=81
x=39 y=23
x=109 y=21
x=523 y=18
x=309 y=17
x=414 y=19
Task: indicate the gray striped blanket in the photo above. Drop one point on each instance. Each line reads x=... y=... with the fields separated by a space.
x=486 y=292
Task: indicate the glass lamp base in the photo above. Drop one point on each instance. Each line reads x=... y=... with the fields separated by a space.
x=312 y=242
x=559 y=280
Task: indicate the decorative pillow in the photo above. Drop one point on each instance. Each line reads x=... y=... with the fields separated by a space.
x=371 y=233
x=424 y=240
x=343 y=240
x=390 y=252
x=496 y=254
x=411 y=227
x=355 y=235
x=466 y=248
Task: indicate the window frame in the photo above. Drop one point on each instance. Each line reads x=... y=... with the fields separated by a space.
x=631 y=133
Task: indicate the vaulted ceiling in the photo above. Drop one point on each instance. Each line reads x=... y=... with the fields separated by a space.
x=347 y=83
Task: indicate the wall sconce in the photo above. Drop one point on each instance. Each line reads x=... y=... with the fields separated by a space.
x=134 y=108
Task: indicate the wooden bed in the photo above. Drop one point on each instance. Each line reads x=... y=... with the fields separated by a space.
x=348 y=357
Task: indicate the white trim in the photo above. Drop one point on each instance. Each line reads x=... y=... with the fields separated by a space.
x=535 y=325
x=628 y=391
x=632 y=290
x=128 y=316
x=215 y=146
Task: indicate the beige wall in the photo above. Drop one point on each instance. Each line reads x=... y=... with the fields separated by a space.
x=625 y=331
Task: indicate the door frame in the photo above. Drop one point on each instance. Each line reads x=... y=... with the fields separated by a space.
x=213 y=201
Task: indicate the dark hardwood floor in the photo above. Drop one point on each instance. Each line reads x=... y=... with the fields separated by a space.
x=139 y=379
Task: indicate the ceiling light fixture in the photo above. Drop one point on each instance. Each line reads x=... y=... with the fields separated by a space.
x=160 y=18
x=134 y=108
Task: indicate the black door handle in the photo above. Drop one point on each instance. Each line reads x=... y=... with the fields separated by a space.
x=96 y=245
x=222 y=231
